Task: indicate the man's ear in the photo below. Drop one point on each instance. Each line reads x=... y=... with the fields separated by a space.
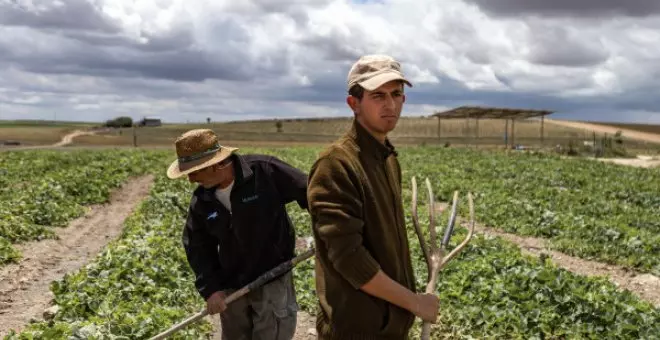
x=353 y=103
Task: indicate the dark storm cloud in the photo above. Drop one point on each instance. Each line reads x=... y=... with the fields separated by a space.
x=83 y=21
x=452 y=93
x=645 y=99
x=222 y=63
x=335 y=46
x=570 y=8
x=168 y=56
x=187 y=65
x=71 y=15
x=330 y=89
x=76 y=38
x=5 y=52
x=574 y=108
x=286 y=6
x=168 y=41
x=561 y=46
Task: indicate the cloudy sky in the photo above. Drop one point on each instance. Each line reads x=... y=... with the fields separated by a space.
x=250 y=59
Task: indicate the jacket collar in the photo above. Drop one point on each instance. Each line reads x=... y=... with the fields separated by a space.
x=242 y=173
x=242 y=170
x=369 y=143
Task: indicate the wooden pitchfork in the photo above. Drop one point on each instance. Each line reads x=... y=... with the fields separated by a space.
x=434 y=255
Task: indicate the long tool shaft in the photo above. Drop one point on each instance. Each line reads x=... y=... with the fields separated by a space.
x=258 y=282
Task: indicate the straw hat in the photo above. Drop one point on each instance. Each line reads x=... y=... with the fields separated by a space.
x=197 y=149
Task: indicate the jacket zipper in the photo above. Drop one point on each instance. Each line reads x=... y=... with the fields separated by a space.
x=399 y=217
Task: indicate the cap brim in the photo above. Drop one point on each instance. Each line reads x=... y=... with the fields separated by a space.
x=177 y=170
x=377 y=81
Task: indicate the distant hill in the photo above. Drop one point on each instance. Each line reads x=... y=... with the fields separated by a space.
x=648 y=128
x=43 y=123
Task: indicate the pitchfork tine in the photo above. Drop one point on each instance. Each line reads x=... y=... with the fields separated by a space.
x=418 y=230
x=452 y=221
x=434 y=236
x=458 y=248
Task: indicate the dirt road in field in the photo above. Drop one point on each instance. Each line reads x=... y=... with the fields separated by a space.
x=305 y=327
x=68 y=139
x=636 y=162
x=643 y=136
x=25 y=286
x=645 y=286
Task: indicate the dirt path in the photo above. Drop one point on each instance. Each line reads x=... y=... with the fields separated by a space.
x=643 y=136
x=68 y=139
x=636 y=162
x=645 y=286
x=25 y=286
x=305 y=327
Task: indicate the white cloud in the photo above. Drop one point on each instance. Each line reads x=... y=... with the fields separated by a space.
x=191 y=59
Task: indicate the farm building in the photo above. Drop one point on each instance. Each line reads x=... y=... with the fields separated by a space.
x=150 y=122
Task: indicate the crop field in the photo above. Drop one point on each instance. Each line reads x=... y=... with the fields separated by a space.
x=31 y=135
x=40 y=190
x=141 y=284
x=37 y=132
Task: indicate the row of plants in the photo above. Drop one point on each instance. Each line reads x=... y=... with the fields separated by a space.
x=492 y=290
x=141 y=284
x=589 y=209
x=40 y=190
x=138 y=286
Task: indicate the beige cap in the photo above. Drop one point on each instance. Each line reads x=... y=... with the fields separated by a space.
x=372 y=71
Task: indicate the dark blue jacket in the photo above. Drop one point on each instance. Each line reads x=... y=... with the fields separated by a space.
x=228 y=250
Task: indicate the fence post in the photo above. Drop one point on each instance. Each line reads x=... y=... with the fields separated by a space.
x=506 y=133
x=513 y=133
x=477 y=132
x=542 y=133
x=134 y=137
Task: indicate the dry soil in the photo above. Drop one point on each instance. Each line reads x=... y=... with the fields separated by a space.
x=645 y=286
x=24 y=286
x=643 y=136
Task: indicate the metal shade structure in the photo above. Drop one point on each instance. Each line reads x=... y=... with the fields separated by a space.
x=479 y=112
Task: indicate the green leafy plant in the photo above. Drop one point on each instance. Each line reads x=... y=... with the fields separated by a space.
x=141 y=284
x=40 y=190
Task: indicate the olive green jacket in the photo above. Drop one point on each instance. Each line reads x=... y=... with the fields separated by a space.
x=354 y=194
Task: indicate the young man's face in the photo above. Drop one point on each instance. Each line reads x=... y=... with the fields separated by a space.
x=218 y=174
x=379 y=110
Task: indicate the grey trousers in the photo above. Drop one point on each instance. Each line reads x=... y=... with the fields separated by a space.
x=267 y=313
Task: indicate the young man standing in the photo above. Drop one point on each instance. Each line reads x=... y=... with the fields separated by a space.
x=364 y=275
x=237 y=229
